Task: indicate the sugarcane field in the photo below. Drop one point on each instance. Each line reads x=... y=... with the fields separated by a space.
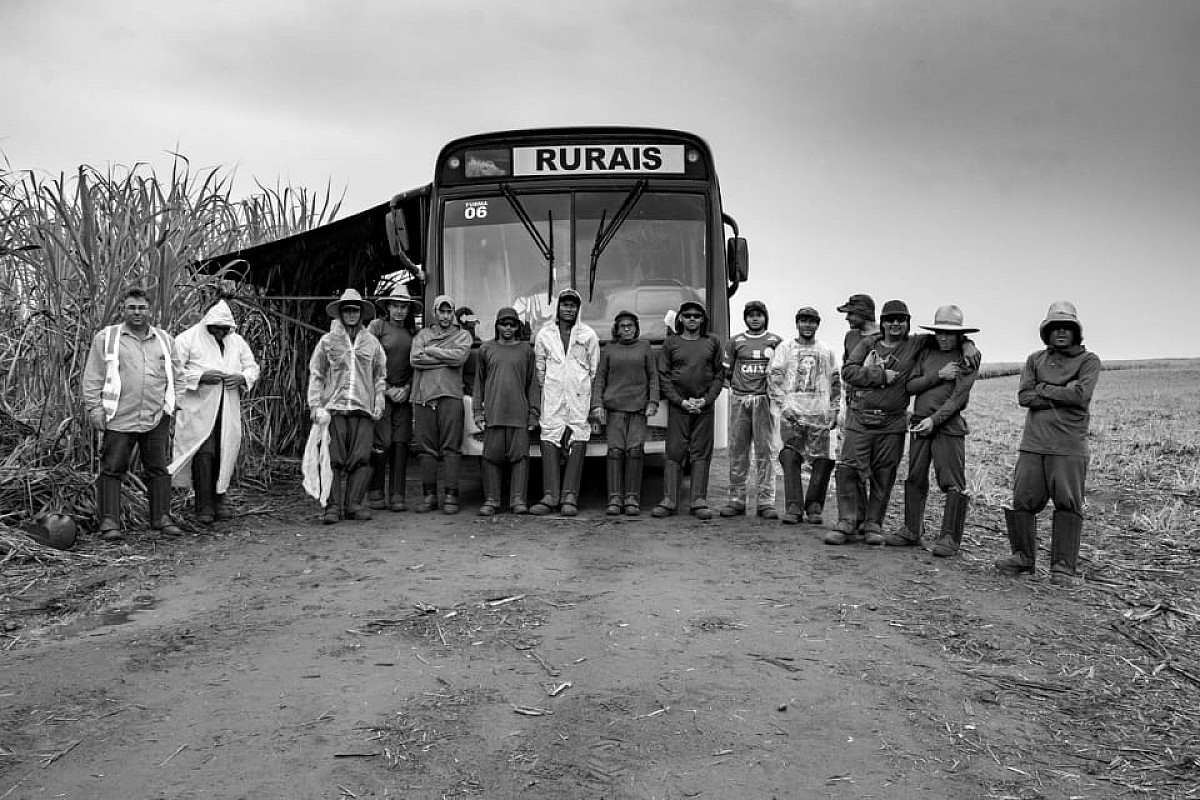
x=271 y=654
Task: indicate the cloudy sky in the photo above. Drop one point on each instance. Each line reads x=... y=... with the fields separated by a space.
x=998 y=154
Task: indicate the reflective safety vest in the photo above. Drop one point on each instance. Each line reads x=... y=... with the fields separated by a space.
x=110 y=393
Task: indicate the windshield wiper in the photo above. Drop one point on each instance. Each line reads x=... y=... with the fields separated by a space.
x=605 y=235
x=546 y=248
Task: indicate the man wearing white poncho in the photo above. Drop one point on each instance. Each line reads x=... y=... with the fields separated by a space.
x=217 y=367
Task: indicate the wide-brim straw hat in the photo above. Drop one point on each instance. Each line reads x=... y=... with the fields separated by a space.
x=949 y=319
x=398 y=294
x=351 y=296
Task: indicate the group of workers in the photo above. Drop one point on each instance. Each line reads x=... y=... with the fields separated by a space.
x=379 y=386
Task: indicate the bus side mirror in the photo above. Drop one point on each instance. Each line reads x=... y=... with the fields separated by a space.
x=397 y=232
x=737 y=260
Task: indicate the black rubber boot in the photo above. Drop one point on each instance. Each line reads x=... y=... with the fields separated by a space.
x=954 y=519
x=520 y=485
x=1065 y=533
x=108 y=507
x=850 y=507
x=670 y=500
x=356 y=492
x=699 y=506
x=818 y=487
x=222 y=508
x=615 y=478
x=204 y=484
x=635 y=459
x=429 y=471
x=793 y=485
x=572 y=478
x=375 y=488
x=551 y=476
x=490 y=472
x=398 y=478
x=453 y=465
x=333 y=504
x=1022 y=537
x=914 y=519
x=882 y=481
x=159 y=489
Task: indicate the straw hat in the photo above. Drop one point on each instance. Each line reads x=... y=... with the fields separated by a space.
x=949 y=319
x=350 y=297
x=398 y=294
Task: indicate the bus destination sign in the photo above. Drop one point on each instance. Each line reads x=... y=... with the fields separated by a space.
x=598 y=159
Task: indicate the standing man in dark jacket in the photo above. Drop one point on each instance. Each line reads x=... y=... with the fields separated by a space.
x=393 y=432
x=690 y=377
x=438 y=354
x=860 y=316
x=1056 y=387
x=941 y=386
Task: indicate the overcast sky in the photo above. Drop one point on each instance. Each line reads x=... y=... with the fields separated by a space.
x=998 y=155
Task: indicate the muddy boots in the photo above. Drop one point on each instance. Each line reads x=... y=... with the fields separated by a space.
x=429 y=470
x=356 y=492
x=492 y=479
x=818 y=486
x=159 y=489
x=954 y=518
x=850 y=499
x=453 y=462
x=1022 y=537
x=108 y=507
x=1064 y=547
x=333 y=504
x=375 y=490
x=914 y=519
x=670 y=500
x=793 y=485
x=882 y=481
x=615 y=475
x=551 y=475
x=635 y=458
x=699 y=507
x=572 y=479
x=519 y=478
x=204 y=485
x=398 y=478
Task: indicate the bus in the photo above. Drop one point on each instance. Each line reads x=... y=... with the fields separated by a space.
x=629 y=217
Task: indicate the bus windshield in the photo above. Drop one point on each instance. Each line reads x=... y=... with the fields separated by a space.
x=655 y=259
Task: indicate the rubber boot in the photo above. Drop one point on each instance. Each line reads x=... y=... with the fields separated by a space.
x=492 y=477
x=818 y=487
x=108 y=507
x=519 y=478
x=1022 y=537
x=954 y=519
x=333 y=504
x=453 y=464
x=159 y=489
x=398 y=478
x=356 y=491
x=1066 y=530
x=699 y=506
x=793 y=485
x=375 y=488
x=850 y=505
x=574 y=474
x=615 y=478
x=670 y=500
x=221 y=508
x=882 y=481
x=205 y=487
x=914 y=519
x=635 y=459
x=550 y=481
x=429 y=470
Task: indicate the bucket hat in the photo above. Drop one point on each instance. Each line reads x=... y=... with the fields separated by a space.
x=862 y=304
x=1060 y=312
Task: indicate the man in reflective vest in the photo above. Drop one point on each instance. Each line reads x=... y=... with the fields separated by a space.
x=128 y=392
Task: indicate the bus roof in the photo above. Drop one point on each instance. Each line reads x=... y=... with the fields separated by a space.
x=597 y=132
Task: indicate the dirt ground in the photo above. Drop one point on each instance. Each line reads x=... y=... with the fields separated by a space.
x=429 y=656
